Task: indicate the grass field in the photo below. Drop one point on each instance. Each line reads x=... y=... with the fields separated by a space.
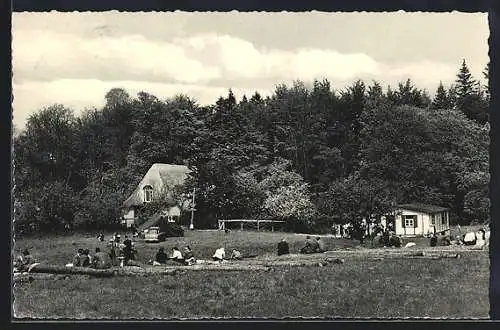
x=359 y=288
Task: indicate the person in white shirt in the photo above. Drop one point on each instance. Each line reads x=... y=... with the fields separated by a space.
x=177 y=255
x=219 y=255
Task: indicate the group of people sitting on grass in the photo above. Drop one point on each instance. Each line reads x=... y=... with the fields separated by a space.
x=186 y=257
x=120 y=253
x=479 y=239
x=313 y=246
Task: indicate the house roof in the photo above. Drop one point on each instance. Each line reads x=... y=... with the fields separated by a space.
x=161 y=177
x=425 y=208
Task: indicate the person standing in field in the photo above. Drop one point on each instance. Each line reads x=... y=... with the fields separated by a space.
x=283 y=247
x=114 y=245
x=128 y=251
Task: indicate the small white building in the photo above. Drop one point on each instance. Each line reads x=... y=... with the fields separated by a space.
x=158 y=183
x=418 y=219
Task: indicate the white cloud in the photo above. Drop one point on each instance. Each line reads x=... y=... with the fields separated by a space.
x=241 y=59
x=60 y=55
x=57 y=67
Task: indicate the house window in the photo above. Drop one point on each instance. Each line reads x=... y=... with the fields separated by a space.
x=410 y=220
x=148 y=194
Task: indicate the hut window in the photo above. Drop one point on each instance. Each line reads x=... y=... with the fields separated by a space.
x=444 y=218
x=148 y=194
x=410 y=220
x=433 y=219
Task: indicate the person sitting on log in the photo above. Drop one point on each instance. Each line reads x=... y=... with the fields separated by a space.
x=283 y=247
x=177 y=255
x=321 y=245
x=24 y=261
x=77 y=259
x=219 y=255
x=236 y=255
x=189 y=256
x=85 y=258
x=100 y=237
x=469 y=238
x=101 y=260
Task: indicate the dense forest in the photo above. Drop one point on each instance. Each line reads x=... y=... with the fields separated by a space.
x=309 y=154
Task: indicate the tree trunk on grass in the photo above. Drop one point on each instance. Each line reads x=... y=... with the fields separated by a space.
x=50 y=269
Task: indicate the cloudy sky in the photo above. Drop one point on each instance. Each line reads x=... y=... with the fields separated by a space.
x=75 y=58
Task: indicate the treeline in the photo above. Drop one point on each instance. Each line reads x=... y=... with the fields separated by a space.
x=307 y=154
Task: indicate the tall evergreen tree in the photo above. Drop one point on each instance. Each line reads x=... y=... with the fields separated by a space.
x=442 y=99
x=466 y=85
x=470 y=99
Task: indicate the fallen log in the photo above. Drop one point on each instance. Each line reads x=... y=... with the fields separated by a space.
x=51 y=269
x=173 y=270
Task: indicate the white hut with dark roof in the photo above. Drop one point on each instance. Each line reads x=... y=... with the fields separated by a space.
x=417 y=219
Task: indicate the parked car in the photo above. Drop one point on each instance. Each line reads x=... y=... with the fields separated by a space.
x=154 y=235
x=159 y=234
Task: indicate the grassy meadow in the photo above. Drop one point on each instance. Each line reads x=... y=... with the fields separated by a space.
x=359 y=288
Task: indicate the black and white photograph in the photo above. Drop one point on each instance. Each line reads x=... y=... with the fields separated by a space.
x=250 y=165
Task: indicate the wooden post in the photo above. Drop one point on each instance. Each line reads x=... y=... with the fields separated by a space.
x=191 y=225
x=257 y=225
x=272 y=225
x=241 y=225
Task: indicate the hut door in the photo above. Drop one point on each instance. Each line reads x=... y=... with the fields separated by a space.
x=410 y=224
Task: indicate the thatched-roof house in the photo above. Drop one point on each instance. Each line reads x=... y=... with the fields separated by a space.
x=158 y=183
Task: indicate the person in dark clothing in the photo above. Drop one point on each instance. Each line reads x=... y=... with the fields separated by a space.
x=433 y=241
x=128 y=251
x=77 y=259
x=188 y=255
x=283 y=247
x=161 y=256
x=85 y=259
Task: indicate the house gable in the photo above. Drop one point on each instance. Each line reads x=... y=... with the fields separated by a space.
x=160 y=179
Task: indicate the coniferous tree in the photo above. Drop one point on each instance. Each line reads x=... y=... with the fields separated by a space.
x=466 y=85
x=470 y=99
x=442 y=100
